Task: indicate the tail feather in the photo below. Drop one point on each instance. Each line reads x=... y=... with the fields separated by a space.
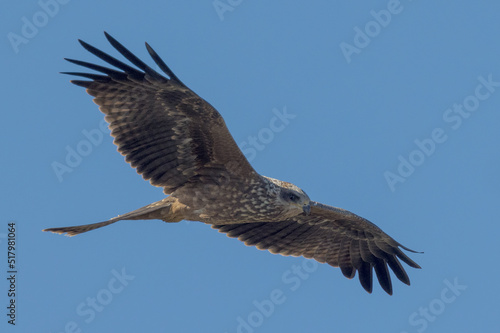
x=161 y=210
x=78 y=229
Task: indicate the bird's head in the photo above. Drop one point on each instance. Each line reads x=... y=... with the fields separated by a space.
x=291 y=198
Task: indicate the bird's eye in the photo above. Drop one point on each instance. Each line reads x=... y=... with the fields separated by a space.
x=292 y=197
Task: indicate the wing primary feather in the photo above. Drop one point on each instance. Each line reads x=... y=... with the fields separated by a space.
x=95 y=77
x=111 y=72
x=111 y=60
x=132 y=58
x=407 y=249
x=383 y=276
x=376 y=251
x=365 y=275
x=398 y=270
x=405 y=258
x=163 y=66
x=82 y=83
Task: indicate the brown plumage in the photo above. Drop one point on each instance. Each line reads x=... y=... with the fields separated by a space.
x=178 y=141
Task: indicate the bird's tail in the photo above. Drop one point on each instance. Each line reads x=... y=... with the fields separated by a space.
x=161 y=210
x=78 y=229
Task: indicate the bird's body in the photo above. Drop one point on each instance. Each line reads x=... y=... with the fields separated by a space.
x=178 y=141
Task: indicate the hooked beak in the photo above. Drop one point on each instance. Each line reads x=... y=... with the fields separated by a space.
x=306 y=209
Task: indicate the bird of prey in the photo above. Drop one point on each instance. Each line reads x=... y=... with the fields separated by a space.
x=178 y=141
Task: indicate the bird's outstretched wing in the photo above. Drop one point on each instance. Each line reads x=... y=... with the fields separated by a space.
x=165 y=131
x=332 y=235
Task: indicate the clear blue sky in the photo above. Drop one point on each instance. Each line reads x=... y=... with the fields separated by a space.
x=396 y=118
